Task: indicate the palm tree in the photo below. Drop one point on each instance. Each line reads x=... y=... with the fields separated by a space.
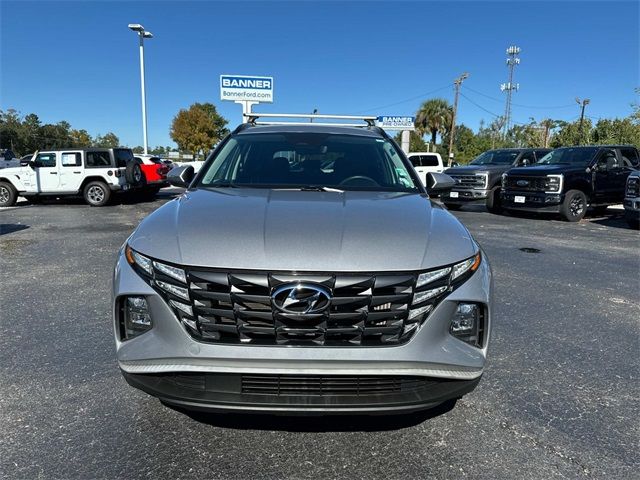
x=434 y=116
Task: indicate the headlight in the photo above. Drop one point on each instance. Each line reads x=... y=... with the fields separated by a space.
x=553 y=184
x=504 y=180
x=433 y=286
x=483 y=179
x=134 y=258
x=159 y=274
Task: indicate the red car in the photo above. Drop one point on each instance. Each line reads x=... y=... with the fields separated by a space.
x=154 y=171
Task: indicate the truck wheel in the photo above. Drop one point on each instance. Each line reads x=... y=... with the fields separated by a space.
x=133 y=173
x=574 y=206
x=8 y=194
x=452 y=206
x=97 y=194
x=494 y=203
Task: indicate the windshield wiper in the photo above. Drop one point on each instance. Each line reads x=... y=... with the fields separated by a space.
x=319 y=188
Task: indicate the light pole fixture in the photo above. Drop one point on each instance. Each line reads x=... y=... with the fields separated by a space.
x=142 y=34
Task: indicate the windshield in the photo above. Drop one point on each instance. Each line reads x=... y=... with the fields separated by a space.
x=580 y=156
x=309 y=160
x=496 y=157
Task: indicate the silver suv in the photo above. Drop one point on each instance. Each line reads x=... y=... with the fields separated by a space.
x=305 y=269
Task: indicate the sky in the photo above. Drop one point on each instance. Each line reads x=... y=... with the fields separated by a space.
x=77 y=61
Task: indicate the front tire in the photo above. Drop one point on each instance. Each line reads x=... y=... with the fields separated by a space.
x=494 y=203
x=632 y=218
x=8 y=194
x=96 y=194
x=574 y=206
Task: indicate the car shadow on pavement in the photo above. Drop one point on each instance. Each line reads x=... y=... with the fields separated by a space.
x=317 y=423
x=6 y=228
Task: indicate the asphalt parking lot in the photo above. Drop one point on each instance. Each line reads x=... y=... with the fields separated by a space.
x=558 y=398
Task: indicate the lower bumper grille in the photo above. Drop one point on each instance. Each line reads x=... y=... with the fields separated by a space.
x=317 y=385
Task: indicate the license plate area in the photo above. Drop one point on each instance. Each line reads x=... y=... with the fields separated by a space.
x=453 y=194
x=519 y=199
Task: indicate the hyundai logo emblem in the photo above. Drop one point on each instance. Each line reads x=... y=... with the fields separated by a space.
x=522 y=183
x=301 y=298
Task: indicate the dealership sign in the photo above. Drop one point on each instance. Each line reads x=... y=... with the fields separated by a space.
x=396 y=123
x=246 y=88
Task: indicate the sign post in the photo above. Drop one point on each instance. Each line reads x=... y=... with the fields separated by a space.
x=405 y=124
x=247 y=90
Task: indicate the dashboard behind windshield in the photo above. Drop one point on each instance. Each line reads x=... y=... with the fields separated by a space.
x=312 y=159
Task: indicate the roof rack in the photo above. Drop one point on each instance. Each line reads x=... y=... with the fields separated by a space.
x=253 y=117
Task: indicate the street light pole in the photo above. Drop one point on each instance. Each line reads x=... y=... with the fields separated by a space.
x=457 y=82
x=142 y=34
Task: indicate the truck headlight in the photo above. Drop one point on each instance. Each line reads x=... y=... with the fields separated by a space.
x=553 y=184
x=135 y=317
x=504 y=180
x=467 y=323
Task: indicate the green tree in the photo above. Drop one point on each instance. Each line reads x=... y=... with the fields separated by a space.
x=433 y=117
x=108 y=140
x=81 y=138
x=198 y=128
x=570 y=134
x=416 y=143
x=617 y=130
x=11 y=134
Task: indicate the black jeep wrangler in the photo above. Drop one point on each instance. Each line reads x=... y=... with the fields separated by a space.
x=571 y=179
x=480 y=180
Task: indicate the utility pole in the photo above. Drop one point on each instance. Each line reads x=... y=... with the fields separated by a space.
x=457 y=82
x=583 y=104
x=509 y=87
x=315 y=110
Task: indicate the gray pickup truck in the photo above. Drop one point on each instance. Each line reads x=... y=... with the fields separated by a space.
x=479 y=182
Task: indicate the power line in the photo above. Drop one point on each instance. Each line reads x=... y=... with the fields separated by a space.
x=496 y=115
x=407 y=100
x=572 y=105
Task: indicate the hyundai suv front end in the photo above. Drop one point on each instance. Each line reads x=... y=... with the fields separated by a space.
x=304 y=269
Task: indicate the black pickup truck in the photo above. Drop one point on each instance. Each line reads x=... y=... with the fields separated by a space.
x=479 y=182
x=571 y=179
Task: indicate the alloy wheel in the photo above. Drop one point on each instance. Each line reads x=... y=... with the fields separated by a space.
x=95 y=194
x=4 y=194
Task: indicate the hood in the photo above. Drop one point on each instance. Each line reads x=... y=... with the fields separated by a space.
x=541 y=170
x=473 y=169
x=260 y=229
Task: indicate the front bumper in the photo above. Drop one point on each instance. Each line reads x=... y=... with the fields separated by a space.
x=533 y=201
x=229 y=392
x=466 y=196
x=148 y=361
x=632 y=204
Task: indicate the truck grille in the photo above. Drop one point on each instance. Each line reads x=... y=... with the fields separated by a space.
x=470 y=181
x=529 y=184
x=633 y=187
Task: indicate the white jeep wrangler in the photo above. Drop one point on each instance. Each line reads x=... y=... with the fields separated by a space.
x=94 y=173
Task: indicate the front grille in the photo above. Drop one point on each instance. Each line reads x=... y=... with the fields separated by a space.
x=633 y=187
x=350 y=309
x=364 y=309
x=331 y=385
x=470 y=181
x=529 y=184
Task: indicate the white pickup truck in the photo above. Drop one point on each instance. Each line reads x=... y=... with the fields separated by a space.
x=425 y=162
x=94 y=173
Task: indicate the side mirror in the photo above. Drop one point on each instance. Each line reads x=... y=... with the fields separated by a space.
x=32 y=163
x=611 y=163
x=439 y=182
x=181 y=176
x=525 y=162
x=601 y=167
